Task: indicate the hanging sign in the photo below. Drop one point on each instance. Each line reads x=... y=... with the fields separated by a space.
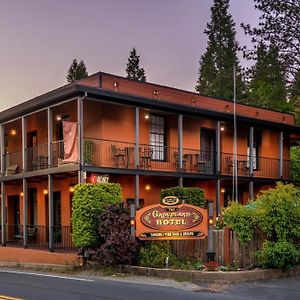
x=171 y=221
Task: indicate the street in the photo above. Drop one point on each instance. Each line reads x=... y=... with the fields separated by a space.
x=36 y=286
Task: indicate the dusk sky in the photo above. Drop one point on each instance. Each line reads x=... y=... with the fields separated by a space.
x=39 y=39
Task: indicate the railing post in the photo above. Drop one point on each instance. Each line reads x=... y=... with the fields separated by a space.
x=280 y=175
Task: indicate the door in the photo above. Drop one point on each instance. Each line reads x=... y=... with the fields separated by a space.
x=32 y=150
x=13 y=216
x=32 y=207
x=56 y=216
x=208 y=149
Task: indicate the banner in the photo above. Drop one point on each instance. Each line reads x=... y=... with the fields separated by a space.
x=70 y=141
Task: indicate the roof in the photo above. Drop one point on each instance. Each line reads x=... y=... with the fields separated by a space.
x=116 y=89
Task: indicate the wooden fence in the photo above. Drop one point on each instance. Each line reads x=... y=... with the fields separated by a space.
x=228 y=250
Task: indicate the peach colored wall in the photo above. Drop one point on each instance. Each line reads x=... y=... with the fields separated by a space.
x=34 y=124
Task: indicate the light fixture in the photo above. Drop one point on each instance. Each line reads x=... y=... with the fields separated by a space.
x=71 y=189
x=222 y=190
x=132 y=222
x=155 y=92
x=21 y=194
x=13 y=132
x=211 y=221
x=45 y=192
x=58 y=118
x=147 y=116
x=116 y=84
x=222 y=127
x=147 y=187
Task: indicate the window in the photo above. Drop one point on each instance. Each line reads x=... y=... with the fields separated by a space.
x=158 y=137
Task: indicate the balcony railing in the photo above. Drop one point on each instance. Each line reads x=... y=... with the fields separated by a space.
x=38 y=237
x=117 y=154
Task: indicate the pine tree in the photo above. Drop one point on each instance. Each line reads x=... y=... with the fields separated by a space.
x=217 y=63
x=279 y=24
x=133 y=69
x=295 y=96
x=267 y=87
x=76 y=71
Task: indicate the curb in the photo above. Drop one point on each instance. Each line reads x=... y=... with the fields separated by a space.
x=199 y=277
x=35 y=266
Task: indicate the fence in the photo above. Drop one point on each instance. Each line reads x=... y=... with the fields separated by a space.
x=228 y=250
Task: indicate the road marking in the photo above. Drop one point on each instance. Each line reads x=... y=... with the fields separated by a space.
x=46 y=275
x=2 y=297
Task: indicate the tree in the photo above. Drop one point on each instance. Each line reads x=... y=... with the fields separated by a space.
x=295 y=96
x=76 y=71
x=216 y=64
x=279 y=24
x=133 y=69
x=267 y=86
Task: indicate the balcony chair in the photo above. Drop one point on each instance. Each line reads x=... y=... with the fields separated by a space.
x=120 y=156
x=184 y=161
x=11 y=170
x=228 y=165
x=146 y=156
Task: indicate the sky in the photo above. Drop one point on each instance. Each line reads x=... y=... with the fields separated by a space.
x=40 y=38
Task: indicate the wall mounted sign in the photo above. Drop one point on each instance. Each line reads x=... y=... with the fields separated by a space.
x=171 y=221
x=99 y=178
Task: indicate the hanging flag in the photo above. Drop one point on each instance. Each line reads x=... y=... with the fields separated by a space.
x=70 y=141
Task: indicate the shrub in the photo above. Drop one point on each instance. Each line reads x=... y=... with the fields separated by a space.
x=241 y=220
x=278 y=212
x=192 y=195
x=154 y=255
x=212 y=266
x=89 y=201
x=117 y=244
x=279 y=255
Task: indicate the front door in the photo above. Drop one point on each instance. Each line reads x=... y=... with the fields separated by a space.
x=208 y=149
x=13 y=216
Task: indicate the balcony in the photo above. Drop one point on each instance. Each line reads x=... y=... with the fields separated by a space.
x=37 y=158
x=120 y=155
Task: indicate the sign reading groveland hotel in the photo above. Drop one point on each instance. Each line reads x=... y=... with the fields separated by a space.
x=171 y=221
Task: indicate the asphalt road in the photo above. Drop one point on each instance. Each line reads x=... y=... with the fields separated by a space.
x=26 y=285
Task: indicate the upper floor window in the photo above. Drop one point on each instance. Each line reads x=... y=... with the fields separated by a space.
x=158 y=137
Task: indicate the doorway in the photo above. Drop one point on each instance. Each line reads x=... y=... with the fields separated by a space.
x=208 y=148
x=13 y=216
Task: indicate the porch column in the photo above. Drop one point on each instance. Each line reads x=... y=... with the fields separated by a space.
x=137 y=138
x=137 y=191
x=3 y=216
x=251 y=152
x=280 y=175
x=180 y=150
x=3 y=194
x=218 y=198
x=51 y=217
x=25 y=213
x=251 y=190
x=80 y=137
x=210 y=239
x=218 y=148
x=50 y=136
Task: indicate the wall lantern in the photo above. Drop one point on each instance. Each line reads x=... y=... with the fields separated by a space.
x=58 y=118
x=21 y=194
x=13 y=132
x=45 y=192
x=223 y=190
x=222 y=127
x=71 y=189
x=148 y=187
x=147 y=116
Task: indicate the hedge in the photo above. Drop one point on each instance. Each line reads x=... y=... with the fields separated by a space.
x=191 y=195
x=89 y=201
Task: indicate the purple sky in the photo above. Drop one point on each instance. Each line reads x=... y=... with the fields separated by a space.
x=39 y=39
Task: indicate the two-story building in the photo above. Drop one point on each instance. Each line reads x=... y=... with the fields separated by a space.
x=144 y=136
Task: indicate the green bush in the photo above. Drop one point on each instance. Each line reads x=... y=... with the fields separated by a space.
x=118 y=246
x=154 y=255
x=89 y=201
x=278 y=212
x=281 y=254
x=192 y=195
x=241 y=220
